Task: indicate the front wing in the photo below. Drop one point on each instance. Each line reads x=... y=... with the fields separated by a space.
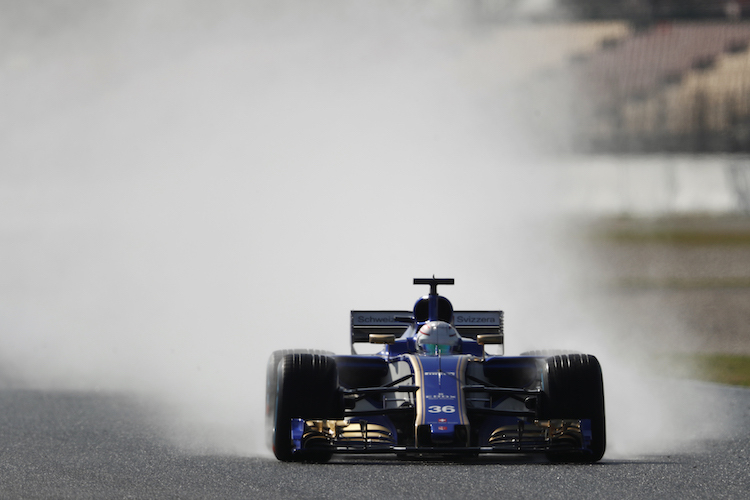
x=360 y=436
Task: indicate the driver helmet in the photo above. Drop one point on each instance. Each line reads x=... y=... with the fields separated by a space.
x=437 y=337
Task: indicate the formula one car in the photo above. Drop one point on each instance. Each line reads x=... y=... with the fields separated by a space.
x=432 y=390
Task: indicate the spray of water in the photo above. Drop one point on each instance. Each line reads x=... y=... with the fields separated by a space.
x=186 y=189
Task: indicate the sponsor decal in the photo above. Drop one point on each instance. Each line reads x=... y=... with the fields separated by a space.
x=375 y=319
x=378 y=318
x=477 y=319
x=442 y=428
x=441 y=373
x=442 y=420
x=440 y=396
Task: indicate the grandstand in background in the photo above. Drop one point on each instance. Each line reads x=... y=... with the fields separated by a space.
x=652 y=75
x=678 y=86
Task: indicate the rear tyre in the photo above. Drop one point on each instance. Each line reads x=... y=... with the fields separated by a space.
x=271 y=381
x=573 y=389
x=307 y=387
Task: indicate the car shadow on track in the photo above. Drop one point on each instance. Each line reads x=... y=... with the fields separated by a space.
x=486 y=460
x=483 y=460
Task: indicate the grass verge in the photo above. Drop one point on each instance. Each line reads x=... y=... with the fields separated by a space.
x=687 y=230
x=732 y=369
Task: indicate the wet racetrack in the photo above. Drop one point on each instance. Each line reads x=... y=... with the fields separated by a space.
x=91 y=445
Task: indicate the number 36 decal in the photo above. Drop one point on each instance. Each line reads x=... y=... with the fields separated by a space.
x=441 y=409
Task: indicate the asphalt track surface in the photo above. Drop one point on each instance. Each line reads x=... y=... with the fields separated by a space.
x=89 y=445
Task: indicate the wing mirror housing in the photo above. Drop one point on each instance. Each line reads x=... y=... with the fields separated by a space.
x=490 y=338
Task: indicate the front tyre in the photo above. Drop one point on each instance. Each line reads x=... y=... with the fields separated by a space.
x=574 y=389
x=307 y=388
x=271 y=382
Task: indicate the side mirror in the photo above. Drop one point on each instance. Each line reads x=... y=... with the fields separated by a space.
x=489 y=338
x=382 y=338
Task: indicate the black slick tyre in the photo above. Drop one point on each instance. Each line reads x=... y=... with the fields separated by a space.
x=307 y=388
x=271 y=380
x=573 y=389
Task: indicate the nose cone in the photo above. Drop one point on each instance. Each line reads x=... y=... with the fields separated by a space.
x=443 y=434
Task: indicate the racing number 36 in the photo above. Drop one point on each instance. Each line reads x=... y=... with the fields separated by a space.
x=441 y=409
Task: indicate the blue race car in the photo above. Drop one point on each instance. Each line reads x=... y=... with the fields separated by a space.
x=433 y=390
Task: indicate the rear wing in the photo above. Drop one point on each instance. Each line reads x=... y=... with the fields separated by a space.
x=472 y=323
x=366 y=322
x=468 y=323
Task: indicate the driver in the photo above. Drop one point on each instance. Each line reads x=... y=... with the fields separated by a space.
x=437 y=337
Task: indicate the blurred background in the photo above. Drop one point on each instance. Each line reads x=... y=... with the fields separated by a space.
x=186 y=186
